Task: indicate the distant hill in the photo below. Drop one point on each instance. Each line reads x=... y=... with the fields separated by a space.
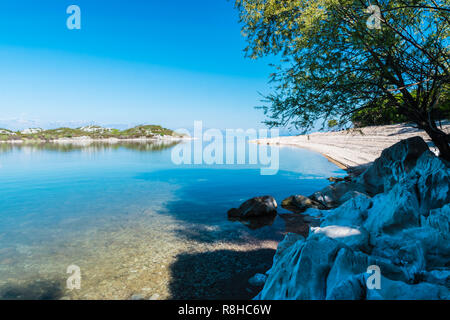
x=91 y=131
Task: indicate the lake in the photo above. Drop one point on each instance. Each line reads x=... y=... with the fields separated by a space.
x=135 y=223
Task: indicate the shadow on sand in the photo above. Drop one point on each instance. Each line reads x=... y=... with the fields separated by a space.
x=34 y=290
x=221 y=274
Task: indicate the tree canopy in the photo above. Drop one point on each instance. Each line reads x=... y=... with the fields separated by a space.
x=338 y=57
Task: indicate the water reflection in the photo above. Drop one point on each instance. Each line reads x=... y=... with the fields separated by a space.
x=257 y=222
x=146 y=145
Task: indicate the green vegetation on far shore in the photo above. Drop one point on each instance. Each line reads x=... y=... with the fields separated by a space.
x=93 y=132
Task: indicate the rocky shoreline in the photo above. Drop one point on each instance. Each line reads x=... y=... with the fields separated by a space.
x=354 y=149
x=393 y=217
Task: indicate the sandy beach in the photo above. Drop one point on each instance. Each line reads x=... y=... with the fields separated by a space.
x=354 y=149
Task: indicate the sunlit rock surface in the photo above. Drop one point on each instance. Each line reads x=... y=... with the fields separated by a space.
x=394 y=216
x=299 y=204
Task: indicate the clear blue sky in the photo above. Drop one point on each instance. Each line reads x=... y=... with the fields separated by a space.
x=135 y=61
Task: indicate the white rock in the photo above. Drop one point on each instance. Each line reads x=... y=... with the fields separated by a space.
x=440 y=277
x=31 y=131
x=351 y=288
x=393 y=165
x=354 y=237
x=94 y=129
x=289 y=240
x=353 y=212
x=346 y=265
x=300 y=273
x=393 y=211
x=439 y=219
x=404 y=230
x=7 y=132
x=397 y=290
x=433 y=182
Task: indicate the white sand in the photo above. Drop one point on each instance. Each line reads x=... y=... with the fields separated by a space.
x=354 y=147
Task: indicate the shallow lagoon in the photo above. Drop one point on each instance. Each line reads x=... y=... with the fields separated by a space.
x=135 y=223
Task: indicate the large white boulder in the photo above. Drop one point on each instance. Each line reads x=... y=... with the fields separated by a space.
x=393 y=165
x=393 y=211
x=300 y=272
x=352 y=213
x=403 y=229
x=432 y=178
x=354 y=237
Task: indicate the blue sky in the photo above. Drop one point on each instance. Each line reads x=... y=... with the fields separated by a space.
x=156 y=61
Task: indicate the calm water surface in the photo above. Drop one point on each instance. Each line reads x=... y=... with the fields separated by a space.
x=135 y=223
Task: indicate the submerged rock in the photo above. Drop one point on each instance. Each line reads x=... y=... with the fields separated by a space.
x=402 y=228
x=299 y=204
x=255 y=223
x=255 y=207
x=258 y=280
x=329 y=197
x=298 y=223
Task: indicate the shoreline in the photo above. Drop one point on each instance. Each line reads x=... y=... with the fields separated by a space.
x=92 y=140
x=353 y=150
x=399 y=205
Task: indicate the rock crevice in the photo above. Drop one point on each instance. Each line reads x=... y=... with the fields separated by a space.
x=395 y=216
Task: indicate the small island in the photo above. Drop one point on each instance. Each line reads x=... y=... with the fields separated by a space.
x=90 y=133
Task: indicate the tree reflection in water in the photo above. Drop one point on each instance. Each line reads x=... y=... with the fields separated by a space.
x=89 y=146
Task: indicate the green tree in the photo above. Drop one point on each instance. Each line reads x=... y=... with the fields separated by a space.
x=332 y=123
x=333 y=62
x=383 y=113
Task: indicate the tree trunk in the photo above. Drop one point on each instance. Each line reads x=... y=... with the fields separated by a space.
x=440 y=140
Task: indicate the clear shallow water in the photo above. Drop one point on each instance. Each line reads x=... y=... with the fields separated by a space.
x=135 y=222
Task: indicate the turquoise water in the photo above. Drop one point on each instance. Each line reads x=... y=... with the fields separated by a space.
x=63 y=204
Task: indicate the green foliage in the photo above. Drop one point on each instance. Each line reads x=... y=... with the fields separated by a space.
x=94 y=132
x=377 y=116
x=332 y=64
x=147 y=131
x=381 y=112
x=332 y=123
